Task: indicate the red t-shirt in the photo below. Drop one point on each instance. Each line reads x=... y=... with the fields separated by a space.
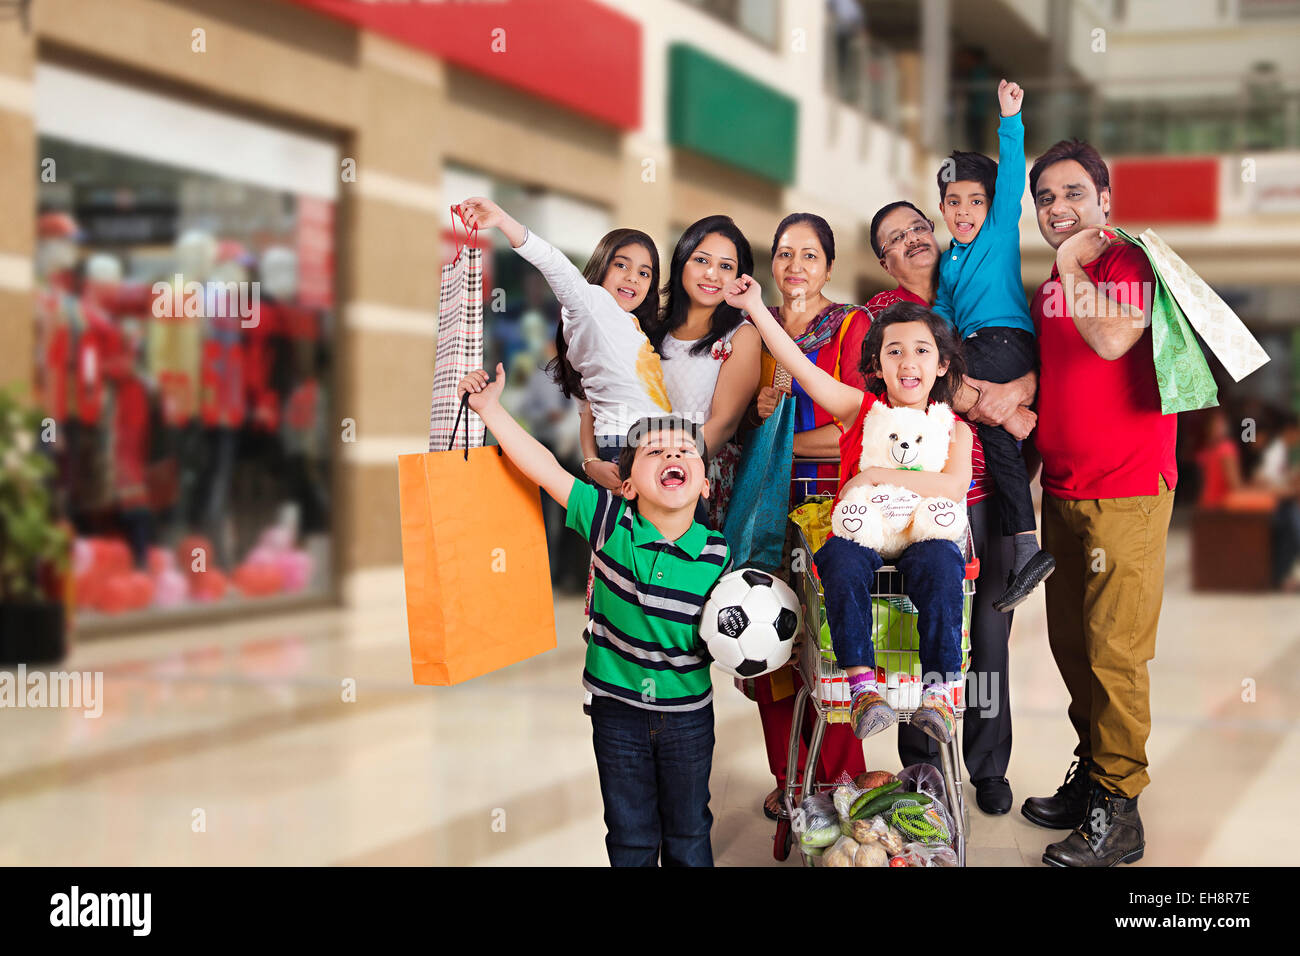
x=883 y=300
x=1100 y=429
x=851 y=452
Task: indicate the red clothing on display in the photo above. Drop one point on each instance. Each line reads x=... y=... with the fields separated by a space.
x=262 y=401
x=221 y=401
x=1100 y=429
x=130 y=443
x=297 y=322
x=56 y=375
x=99 y=355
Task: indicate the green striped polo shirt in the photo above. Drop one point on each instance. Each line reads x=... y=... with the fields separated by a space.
x=643 y=644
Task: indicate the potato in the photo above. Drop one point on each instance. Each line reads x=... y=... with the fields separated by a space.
x=871 y=854
x=841 y=854
x=864 y=832
x=870 y=779
x=892 y=841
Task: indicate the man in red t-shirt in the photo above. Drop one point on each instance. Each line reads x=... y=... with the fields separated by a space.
x=1108 y=491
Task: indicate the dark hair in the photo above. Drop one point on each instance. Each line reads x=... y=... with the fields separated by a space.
x=815 y=222
x=677 y=303
x=561 y=372
x=879 y=217
x=1083 y=153
x=945 y=337
x=968 y=167
x=644 y=427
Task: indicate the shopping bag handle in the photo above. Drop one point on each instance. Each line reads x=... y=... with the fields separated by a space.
x=463 y=411
x=471 y=238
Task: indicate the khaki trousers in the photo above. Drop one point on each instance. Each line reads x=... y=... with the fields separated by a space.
x=1103 y=605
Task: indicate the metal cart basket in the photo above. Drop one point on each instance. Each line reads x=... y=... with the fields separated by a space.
x=825 y=684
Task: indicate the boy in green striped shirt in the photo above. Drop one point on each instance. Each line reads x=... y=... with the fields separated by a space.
x=646 y=667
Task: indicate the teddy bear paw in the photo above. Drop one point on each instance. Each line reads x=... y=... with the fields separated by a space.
x=858 y=521
x=939 y=518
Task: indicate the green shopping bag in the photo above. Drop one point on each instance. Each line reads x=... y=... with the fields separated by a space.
x=1182 y=374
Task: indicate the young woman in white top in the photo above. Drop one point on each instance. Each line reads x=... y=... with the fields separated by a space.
x=711 y=354
x=603 y=357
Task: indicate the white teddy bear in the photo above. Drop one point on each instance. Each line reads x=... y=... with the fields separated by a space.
x=888 y=518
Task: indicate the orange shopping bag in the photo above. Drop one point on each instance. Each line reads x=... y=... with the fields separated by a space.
x=478 y=584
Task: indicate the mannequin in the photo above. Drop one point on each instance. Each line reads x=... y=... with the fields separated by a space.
x=301 y=363
x=221 y=394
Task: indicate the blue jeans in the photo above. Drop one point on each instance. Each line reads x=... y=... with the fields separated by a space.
x=654 y=781
x=932 y=573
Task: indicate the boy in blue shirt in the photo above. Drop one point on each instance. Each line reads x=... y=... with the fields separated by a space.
x=981 y=293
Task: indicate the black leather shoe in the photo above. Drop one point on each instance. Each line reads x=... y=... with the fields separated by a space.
x=1066 y=808
x=993 y=794
x=1019 y=586
x=1111 y=833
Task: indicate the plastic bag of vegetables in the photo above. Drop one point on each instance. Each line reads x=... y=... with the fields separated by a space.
x=920 y=854
x=843 y=797
x=816 y=822
x=921 y=820
x=923 y=778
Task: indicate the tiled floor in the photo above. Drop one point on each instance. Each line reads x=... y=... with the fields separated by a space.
x=234 y=744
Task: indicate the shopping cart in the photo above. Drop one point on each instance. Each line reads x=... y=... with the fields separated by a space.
x=825 y=684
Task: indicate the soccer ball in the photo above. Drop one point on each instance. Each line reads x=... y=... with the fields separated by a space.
x=749 y=622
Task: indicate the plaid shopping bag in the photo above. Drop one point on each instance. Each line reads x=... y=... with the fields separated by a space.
x=460 y=343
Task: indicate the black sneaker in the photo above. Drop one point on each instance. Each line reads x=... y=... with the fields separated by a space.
x=1067 y=808
x=1019 y=586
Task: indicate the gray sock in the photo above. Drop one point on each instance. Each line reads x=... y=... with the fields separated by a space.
x=1026 y=548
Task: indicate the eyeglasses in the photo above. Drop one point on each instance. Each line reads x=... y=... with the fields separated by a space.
x=920 y=229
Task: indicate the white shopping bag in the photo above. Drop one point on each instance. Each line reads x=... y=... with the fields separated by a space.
x=1217 y=325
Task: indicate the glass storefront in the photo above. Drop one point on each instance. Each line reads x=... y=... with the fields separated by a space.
x=184 y=356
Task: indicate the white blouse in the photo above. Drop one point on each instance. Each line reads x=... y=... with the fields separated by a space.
x=620 y=370
x=691 y=379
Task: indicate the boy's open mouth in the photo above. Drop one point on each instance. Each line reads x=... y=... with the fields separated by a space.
x=674 y=476
x=964 y=227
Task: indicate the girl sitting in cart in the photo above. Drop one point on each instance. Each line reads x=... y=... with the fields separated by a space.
x=910 y=358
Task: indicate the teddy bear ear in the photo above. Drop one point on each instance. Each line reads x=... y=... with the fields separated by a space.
x=942 y=416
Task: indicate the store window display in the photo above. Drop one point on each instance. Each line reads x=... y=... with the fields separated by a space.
x=188 y=379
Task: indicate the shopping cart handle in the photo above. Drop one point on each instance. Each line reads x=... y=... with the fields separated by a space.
x=972 y=569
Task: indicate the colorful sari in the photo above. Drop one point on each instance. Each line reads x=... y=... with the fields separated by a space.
x=832 y=342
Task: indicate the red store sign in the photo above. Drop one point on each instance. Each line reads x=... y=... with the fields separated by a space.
x=577 y=53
